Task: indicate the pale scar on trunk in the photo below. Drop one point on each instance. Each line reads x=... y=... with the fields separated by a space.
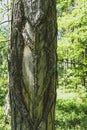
x=27 y=68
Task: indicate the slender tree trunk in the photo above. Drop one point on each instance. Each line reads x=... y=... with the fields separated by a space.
x=32 y=65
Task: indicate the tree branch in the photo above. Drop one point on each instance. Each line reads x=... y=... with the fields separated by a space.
x=5 y=22
x=4 y=41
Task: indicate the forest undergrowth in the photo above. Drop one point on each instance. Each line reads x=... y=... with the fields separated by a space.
x=71 y=109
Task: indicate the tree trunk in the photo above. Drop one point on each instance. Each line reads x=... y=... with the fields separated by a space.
x=32 y=65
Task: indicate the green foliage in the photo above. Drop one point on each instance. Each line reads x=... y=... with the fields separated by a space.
x=64 y=5
x=3 y=91
x=72 y=45
x=3 y=56
x=4 y=121
x=71 y=110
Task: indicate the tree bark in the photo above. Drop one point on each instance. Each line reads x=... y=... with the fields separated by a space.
x=32 y=65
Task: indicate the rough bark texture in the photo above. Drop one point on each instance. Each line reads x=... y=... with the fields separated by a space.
x=32 y=65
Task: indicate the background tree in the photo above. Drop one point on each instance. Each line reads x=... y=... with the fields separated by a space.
x=32 y=65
